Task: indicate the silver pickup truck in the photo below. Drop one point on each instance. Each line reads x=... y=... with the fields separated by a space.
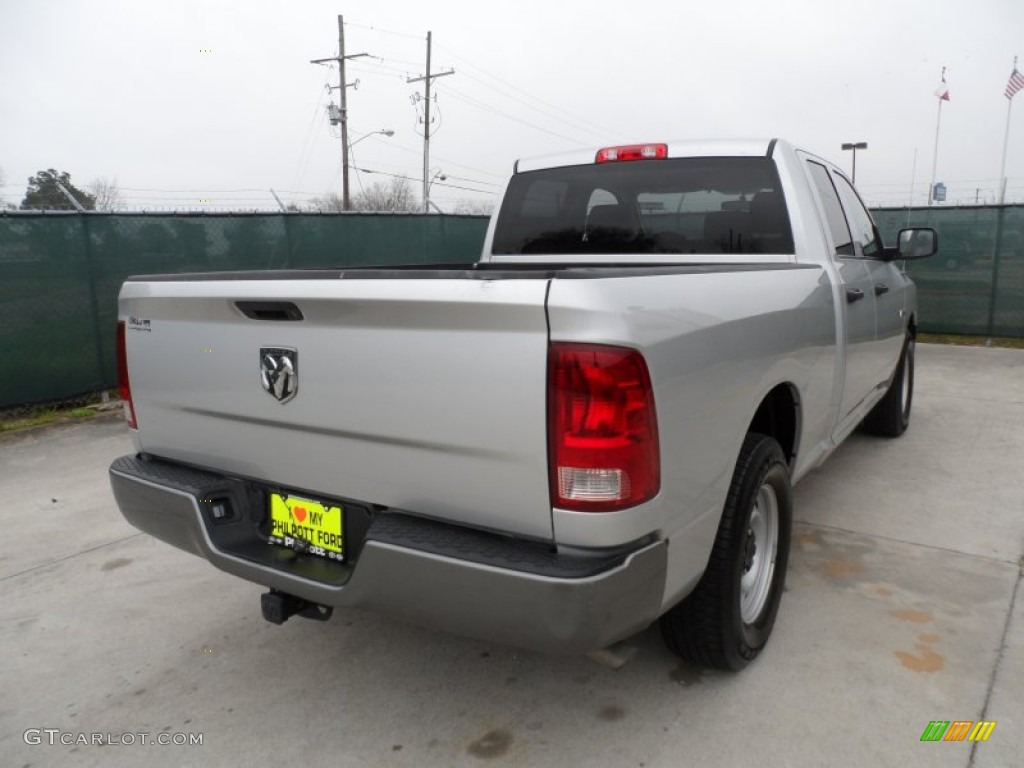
x=594 y=427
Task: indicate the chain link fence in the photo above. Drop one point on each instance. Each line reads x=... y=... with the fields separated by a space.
x=60 y=273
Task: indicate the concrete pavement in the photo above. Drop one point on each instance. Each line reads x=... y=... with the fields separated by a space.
x=903 y=606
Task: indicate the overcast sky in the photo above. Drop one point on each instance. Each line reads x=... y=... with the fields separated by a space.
x=217 y=101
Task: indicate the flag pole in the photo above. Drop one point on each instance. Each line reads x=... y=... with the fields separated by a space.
x=1006 y=142
x=913 y=173
x=935 y=154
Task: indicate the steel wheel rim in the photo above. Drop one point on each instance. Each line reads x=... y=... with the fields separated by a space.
x=760 y=549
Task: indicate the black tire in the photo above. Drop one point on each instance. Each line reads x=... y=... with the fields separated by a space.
x=709 y=627
x=891 y=415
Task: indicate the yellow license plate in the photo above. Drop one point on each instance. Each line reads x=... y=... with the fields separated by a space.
x=307 y=526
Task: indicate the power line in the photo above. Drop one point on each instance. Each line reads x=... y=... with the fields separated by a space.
x=488 y=108
x=494 y=77
x=461 y=178
x=571 y=123
x=196 y=189
x=448 y=161
x=474 y=181
x=306 y=153
x=412 y=178
x=575 y=121
x=382 y=30
x=365 y=69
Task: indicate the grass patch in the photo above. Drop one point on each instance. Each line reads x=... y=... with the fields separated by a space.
x=46 y=416
x=28 y=417
x=969 y=341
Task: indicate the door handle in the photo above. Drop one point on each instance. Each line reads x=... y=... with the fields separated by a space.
x=881 y=288
x=854 y=294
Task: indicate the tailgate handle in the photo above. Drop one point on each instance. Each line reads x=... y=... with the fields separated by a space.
x=270 y=310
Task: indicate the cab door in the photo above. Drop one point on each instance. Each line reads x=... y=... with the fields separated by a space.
x=887 y=282
x=857 y=292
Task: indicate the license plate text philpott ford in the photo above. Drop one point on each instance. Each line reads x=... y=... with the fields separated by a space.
x=314 y=523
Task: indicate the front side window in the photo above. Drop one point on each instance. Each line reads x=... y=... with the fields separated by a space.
x=833 y=209
x=861 y=226
x=707 y=205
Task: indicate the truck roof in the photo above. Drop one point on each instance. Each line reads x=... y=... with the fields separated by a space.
x=676 y=148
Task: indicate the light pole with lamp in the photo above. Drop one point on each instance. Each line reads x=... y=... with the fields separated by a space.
x=383 y=132
x=855 y=146
x=439 y=176
x=346 y=203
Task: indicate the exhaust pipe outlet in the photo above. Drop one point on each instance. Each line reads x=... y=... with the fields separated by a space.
x=278 y=607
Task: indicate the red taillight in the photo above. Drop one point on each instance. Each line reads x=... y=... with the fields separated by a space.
x=602 y=429
x=632 y=152
x=124 y=388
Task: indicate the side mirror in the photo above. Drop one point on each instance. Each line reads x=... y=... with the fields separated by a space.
x=917 y=243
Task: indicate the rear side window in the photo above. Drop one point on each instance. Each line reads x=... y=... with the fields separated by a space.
x=706 y=205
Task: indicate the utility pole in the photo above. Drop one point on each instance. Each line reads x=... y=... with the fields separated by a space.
x=426 y=125
x=343 y=89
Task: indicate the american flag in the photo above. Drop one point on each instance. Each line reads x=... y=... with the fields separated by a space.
x=1015 y=84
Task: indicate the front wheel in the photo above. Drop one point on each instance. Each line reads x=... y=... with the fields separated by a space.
x=891 y=416
x=727 y=619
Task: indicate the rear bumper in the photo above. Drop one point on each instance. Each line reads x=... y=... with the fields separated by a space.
x=430 y=573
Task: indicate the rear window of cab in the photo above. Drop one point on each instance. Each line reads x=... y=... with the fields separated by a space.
x=700 y=205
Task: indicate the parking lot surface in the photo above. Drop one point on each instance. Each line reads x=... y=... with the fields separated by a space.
x=903 y=606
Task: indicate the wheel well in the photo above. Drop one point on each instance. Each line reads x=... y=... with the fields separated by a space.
x=778 y=417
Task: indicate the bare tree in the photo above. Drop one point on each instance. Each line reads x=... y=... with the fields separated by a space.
x=329 y=203
x=380 y=197
x=393 y=196
x=107 y=194
x=475 y=207
x=3 y=182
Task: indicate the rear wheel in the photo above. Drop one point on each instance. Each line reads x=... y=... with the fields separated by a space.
x=891 y=416
x=727 y=619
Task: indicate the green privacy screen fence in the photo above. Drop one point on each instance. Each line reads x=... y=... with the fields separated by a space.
x=975 y=283
x=60 y=273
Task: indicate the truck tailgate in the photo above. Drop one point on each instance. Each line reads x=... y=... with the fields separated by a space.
x=409 y=391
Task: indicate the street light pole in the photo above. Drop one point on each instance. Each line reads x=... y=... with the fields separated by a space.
x=855 y=146
x=382 y=132
x=439 y=176
x=346 y=203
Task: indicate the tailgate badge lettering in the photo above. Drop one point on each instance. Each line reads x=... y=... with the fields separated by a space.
x=279 y=372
